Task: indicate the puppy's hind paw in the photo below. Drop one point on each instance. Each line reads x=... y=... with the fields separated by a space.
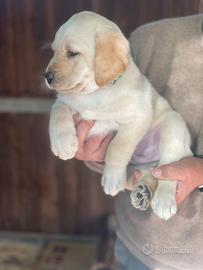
x=141 y=197
x=164 y=205
x=113 y=180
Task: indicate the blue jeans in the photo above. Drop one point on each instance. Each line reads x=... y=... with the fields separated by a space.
x=126 y=260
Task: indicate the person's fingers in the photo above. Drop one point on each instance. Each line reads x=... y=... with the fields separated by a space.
x=76 y=118
x=94 y=142
x=179 y=198
x=96 y=147
x=105 y=142
x=90 y=149
x=182 y=192
x=101 y=150
x=83 y=128
x=98 y=143
x=136 y=176
x=171 y=171
x=179 y=194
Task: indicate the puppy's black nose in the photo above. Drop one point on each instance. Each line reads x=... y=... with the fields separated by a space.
x=49 y=76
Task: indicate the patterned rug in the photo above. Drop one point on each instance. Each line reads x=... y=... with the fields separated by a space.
x=34 y=252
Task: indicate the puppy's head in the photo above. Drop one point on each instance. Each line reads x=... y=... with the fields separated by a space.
x=89 y=52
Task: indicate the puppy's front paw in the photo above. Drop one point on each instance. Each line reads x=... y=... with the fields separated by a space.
x=64 y=146
x=164 y=203
x=113 y=180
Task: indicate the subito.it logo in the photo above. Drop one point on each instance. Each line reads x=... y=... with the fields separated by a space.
x=147 y=249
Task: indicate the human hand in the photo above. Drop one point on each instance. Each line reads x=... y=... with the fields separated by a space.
x=93 y=148
x=188 y=172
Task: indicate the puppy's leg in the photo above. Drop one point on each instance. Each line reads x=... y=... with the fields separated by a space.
x=118 y=155
x=174 y=145
x=63 y=139
x=130 y=131
x=142 y=193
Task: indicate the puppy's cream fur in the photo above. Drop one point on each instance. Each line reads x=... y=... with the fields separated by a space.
x=102 y=83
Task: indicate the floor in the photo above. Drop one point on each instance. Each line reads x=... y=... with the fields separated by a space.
x=55 y=252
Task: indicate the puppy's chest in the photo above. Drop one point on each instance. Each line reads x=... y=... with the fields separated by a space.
x=103 y=128
x=77 y=104
x=81 y=104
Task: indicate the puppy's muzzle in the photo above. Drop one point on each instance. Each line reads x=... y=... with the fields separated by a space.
x=49 y=76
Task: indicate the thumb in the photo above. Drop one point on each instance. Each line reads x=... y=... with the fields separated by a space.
x=170 y=171
x=136 y=176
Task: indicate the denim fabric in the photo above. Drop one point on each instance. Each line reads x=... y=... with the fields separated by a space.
x=125 y=260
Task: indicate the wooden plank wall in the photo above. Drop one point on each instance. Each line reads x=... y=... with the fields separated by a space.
x=38 y=192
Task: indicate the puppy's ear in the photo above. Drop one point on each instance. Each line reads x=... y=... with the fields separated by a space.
x=111 y=57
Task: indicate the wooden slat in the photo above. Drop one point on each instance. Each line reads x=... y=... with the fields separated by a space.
x=25 y=26
x=25 y=105
x=39 y=192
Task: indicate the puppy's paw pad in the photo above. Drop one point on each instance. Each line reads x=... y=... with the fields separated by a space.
x=113 y=180
x=164 y=205
x=141 y=197
x=65 y=147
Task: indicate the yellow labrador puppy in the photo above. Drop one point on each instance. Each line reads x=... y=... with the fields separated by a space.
x=94 y=73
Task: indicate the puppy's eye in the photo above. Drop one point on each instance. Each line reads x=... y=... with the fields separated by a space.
x=71 y=54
